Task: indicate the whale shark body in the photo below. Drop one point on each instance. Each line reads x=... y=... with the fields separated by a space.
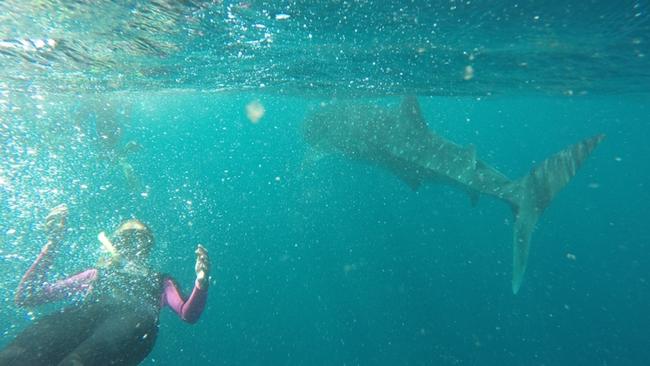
x=399 y=140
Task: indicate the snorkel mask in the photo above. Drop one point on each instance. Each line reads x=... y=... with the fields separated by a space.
x=134 y=241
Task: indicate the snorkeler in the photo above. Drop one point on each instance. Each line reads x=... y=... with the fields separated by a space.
x=116 y=321
x=108 y=116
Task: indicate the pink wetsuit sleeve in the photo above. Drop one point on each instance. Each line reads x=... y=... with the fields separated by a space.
x=189 y=310
x=34 y=289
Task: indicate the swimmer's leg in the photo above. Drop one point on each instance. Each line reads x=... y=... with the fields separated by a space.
x=49 y=339
x=121 y=339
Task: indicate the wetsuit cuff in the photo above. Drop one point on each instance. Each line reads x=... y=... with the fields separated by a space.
x=198 y=286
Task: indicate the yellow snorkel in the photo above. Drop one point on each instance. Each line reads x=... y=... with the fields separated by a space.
x=106 y=243
x=115 y=258
x=109 y=248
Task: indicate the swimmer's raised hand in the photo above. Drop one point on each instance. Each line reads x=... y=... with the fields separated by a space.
x=55 y=223
x=202 y=267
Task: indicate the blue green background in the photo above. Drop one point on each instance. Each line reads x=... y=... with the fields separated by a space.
x=335 y=262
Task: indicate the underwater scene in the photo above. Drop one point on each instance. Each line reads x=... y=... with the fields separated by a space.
x=339 y=182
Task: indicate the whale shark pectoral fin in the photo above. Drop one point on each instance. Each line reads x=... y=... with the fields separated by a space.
x=473 y=198
x=412 y=177
x=413 y=181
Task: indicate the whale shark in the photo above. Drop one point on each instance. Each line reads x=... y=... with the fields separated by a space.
x=399 y=140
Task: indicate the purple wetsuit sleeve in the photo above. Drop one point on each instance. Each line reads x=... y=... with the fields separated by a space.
x=80 y=283
x=34 y=289
x=189 y=310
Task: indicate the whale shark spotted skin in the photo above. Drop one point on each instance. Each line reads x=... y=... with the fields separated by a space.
x=399 y=140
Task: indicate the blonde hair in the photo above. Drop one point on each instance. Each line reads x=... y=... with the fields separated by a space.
x=133 y=224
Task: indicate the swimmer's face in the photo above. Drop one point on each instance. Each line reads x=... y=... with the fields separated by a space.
x=133 y=240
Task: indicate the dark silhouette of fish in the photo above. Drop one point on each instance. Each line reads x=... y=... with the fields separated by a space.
x=400 y=140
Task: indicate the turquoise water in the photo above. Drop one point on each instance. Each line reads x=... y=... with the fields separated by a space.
x=335 y=262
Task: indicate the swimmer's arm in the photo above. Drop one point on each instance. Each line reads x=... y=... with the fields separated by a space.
x=79 y=284
x=32 y=289
x=34 y=279
x=189 y=310
x=35 y=290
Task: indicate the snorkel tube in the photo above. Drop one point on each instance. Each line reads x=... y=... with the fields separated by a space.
x=109 y=248
x=115 y=259
x=106 y=243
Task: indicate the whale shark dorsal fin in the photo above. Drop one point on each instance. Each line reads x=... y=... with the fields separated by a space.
x=410 y=111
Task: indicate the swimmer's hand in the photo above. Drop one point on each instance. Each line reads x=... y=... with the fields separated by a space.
x=202 y=267
x=55 y=223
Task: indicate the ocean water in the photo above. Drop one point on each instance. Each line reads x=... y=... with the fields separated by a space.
x=336 y=262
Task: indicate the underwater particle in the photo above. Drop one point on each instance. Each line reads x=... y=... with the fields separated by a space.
x=469 y=73
x=255 y=111
x=593 y=185
x=11 y=231
x=349 y=267
x=277 y=179
x=571 y=256
x=618 y=159
x=282 y=16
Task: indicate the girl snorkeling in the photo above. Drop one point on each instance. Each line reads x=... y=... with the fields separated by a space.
x=116 y=323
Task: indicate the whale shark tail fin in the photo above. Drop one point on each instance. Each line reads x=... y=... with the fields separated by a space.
x=532 y=194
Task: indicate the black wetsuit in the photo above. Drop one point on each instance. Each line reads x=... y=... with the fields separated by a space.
x=116 y=324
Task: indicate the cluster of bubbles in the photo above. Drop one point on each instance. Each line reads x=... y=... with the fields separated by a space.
x=56 y=149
